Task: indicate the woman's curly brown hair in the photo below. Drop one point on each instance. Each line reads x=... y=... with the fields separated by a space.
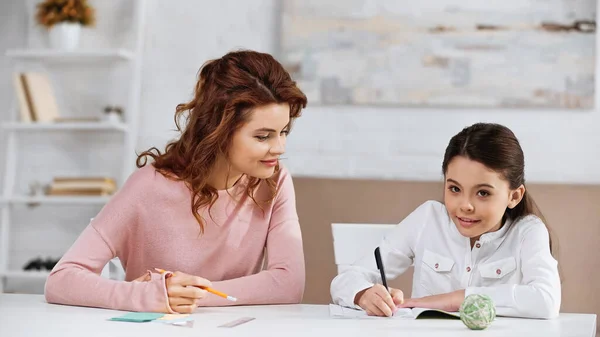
x=227 y=90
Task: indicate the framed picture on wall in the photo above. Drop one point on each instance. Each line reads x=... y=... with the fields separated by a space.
x=452 y=53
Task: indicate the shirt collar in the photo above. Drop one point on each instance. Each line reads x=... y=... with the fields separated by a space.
x=492 y=236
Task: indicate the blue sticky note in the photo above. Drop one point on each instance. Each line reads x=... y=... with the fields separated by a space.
x=138 y=317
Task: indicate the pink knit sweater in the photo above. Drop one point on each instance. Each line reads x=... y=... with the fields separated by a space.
x=149 y=224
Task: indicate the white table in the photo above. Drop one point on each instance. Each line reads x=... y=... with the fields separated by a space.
x=30 y=315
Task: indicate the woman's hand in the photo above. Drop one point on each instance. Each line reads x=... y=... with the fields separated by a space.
x=184 y=291
x=377 y=301
x=447 y=302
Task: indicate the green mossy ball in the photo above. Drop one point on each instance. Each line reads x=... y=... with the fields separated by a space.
x=477 y=311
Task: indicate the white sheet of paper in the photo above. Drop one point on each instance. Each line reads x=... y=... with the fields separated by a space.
x=338 y=311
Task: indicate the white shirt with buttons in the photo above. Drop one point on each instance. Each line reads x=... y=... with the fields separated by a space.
x=513 y=265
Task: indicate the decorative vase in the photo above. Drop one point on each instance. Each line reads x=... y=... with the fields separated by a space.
x=113 y=117
x=65 y=36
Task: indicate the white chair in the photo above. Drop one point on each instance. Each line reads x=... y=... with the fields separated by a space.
x=113 y=270
x=351 y=241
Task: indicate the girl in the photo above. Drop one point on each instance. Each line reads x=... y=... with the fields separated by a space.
x=207 y=208
x=487 y=238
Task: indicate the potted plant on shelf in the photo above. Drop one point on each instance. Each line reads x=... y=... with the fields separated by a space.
x=64 y=19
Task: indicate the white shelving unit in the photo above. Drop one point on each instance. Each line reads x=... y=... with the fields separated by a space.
x=83 y=126
x=55 y=200
x=35 y=275
x=14 y=128
x=79 y=56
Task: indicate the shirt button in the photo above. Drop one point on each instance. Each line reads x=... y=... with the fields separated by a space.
x=478 y=245
x=436 y=265
x=469 y=269
x=498 y=271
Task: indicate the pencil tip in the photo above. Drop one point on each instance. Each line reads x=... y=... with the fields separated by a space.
x=231 y=298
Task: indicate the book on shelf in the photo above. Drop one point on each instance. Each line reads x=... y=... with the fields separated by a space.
x=79 y=192
x=23 y=98
x=83 y=179
x=35 y=95
x=96 y=186
x=77 y=120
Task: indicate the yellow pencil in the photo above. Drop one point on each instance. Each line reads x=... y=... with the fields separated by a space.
x=209 y=289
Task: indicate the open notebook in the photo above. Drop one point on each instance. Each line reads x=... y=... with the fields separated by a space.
x=337 y=311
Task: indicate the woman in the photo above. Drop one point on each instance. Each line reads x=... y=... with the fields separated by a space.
x=207 y=208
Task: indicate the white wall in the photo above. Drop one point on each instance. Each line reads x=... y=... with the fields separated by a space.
x=355 y=142
x=339 y=141
x=180 y=39
x=344 y=142
x=15 y=24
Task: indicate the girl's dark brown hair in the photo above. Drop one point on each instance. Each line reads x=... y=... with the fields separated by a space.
x=496 y=147
x=227 y=90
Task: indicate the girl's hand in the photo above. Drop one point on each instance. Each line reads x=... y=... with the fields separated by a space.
x=377 y=301
x=184 y=291
x=447 y=302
